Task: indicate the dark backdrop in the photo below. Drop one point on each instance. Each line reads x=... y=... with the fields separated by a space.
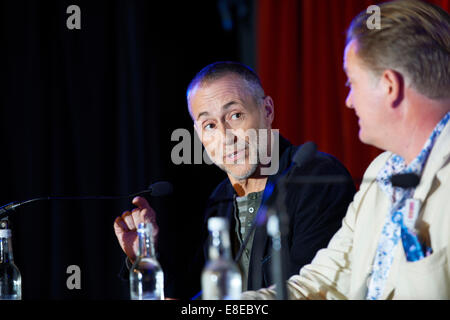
x=91 y=112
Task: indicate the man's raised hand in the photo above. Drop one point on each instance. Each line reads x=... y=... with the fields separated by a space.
x=125 y=226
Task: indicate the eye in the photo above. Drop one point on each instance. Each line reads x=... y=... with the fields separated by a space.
x=236 y=116
x=208 y=126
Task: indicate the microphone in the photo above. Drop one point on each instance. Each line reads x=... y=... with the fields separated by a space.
x=405 y=180
x=157 y=189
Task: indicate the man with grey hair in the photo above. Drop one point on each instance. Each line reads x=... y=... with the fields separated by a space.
x=394 y=242
x=233 y=118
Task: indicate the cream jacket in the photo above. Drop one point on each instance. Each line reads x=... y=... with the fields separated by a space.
x=342 y=270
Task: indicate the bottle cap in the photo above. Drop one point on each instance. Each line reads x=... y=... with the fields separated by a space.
x=4 y=224
x=217 y=224
x=145 y=227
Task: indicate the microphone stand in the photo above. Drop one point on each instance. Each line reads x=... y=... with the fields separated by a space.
x=278 y=222
x=278 y=229
x=156 y=189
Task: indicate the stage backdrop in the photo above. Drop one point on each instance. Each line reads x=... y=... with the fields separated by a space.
x=300 y=48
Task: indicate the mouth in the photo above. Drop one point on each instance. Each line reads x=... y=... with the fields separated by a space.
x=234 y=156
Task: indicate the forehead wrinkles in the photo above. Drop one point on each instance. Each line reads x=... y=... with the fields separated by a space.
x=221 y=93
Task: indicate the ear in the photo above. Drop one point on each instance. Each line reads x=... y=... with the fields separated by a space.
x=393 y=83
x=269 y=110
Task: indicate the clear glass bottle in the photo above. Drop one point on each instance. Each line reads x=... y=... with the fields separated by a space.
x=221 y=278
x=10 y=278
x=146 y=275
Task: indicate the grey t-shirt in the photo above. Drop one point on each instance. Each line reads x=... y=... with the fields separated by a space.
x=247 y=207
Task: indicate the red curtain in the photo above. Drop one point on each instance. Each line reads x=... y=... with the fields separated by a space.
x=300 y=53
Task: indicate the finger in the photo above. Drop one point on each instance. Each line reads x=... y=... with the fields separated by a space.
x=137 y=216
x=148 y=215
x=140 y=202
x=120 y=226
x=128 y=218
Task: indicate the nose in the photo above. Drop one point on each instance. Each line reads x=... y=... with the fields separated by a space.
x=229 y=137
x=227 y=134
x=348 y=100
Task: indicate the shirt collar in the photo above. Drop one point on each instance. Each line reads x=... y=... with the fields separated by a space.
x=396 y=164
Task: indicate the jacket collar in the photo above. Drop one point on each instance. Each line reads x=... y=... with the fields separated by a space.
x=438 y=158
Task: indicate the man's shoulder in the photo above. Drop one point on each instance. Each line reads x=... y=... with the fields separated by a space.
x=322 y=163
x=222 y=193
x=377 y=164
x=219 y=199
x=329 y=160
x=330 y=173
